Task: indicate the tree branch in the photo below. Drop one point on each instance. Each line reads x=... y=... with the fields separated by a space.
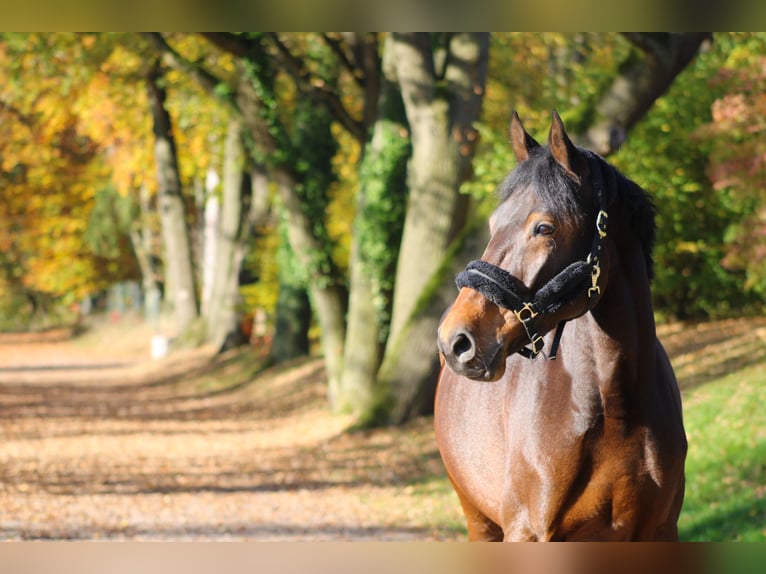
x=318 y=89
x=356 y=71
x=232 y=43
x=207 y=80
x=18 y=114
x=639 y=84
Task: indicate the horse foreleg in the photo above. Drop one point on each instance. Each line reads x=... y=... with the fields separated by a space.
x=480 y=528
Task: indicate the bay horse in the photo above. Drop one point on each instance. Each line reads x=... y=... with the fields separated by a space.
x=591 y=445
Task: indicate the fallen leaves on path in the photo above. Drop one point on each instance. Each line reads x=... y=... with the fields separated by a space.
x=99 y=443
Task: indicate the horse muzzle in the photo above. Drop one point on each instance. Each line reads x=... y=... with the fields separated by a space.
x=466 y=358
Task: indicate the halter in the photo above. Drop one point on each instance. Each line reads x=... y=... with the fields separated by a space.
x=501 y=287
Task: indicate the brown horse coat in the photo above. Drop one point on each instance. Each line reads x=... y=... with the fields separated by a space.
x=590 y=446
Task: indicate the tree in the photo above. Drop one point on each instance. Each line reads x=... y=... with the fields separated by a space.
x=738 y=154
x=407 y=378
x=378 y=224
x=175 y=227
x=450 y=100
x=53 y=176
x=230 y=229
x=291 y=161
x=442 y=80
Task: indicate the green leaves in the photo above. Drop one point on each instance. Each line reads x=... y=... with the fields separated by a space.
x=669 y=154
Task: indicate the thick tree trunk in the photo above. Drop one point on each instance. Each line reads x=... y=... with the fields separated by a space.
x=410 y=368
x=376 y=238
x=175 y=228
x=441 y=106
x=443 y=100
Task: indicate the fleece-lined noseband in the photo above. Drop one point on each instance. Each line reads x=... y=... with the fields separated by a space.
x=500 y=287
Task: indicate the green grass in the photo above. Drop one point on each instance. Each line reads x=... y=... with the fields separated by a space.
x=725 y=420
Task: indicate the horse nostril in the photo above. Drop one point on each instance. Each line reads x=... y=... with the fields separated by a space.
x=463 y=347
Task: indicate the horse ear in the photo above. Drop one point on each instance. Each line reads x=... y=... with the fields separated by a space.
x=521 y=141
x=562 y=148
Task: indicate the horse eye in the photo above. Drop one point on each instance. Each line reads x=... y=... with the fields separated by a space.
x=544 y=229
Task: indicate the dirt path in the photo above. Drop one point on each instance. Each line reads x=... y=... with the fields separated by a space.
x=99 y=442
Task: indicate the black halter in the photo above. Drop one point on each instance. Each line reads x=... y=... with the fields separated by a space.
x=500 y=287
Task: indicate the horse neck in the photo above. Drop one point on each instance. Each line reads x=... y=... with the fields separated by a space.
x=621 y=332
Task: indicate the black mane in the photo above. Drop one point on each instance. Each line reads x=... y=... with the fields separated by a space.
x=559 y=192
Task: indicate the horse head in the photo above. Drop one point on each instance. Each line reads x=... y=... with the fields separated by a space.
x=544 y=263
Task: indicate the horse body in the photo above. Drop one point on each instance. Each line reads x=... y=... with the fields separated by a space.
x=587 y=447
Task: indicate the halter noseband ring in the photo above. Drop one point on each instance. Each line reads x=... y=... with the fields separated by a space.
x=500 y=287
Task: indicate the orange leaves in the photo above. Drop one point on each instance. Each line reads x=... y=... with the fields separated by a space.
x=49 y=165
x=74 y=120
x=113 y=113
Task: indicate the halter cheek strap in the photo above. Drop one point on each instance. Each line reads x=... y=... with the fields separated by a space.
x=500 y=287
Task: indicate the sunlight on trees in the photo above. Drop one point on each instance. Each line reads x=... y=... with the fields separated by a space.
x=332 y=158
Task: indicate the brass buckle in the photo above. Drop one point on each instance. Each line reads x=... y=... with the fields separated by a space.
x=537 y=343
x=601 y=223
x=528 y=307
x=594 y=277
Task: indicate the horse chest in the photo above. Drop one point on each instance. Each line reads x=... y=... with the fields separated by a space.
x=574 y=487
x=497 y=443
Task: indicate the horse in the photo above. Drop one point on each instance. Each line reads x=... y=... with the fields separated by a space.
x=586 y=444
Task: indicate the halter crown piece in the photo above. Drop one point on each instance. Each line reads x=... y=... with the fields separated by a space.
x=499 y=286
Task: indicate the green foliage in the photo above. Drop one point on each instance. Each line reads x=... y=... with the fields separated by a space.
x=380 y=220
x=737 y=150
x=534 y=74
x=109 y=222
x=665 y=158
x=304 y=145
x=262 y=75
x=315 y=148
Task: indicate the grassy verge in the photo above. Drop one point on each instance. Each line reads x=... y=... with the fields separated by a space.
x=726 y=467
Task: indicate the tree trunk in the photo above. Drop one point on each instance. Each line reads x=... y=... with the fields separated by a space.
x=142 y=239
x=375 y=248
x=410 y=368
x=441 y=107
x=305 y=230
x=211 y=216
x=293 y=315
x=175 y=228
x=443 y=100
x=233 y=228
x=328 y=298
